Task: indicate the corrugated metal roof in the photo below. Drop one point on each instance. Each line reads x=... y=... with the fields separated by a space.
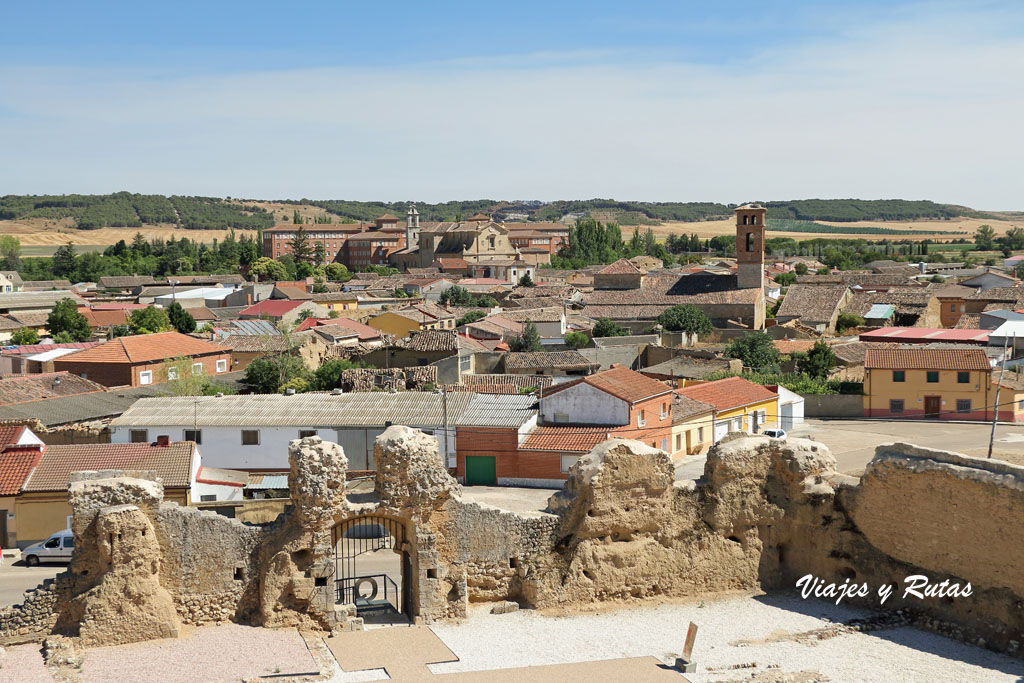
x=262 y=482
x=498 y=410
x=880 y=312
x=352 y=409
x=255 y=327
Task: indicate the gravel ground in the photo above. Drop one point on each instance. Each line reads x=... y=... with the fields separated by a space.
x=24 y=664
x=524 y=638
x=213 y=653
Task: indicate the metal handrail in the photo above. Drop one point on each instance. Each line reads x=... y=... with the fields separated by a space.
x=345 y=588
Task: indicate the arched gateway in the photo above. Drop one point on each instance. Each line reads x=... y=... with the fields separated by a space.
x=373 y=566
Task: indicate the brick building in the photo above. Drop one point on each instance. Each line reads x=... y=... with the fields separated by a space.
x=138 y=360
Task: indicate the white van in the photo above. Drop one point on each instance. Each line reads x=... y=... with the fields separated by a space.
x=57 y=548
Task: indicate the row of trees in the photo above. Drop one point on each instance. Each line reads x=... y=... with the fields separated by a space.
x=125 y=209
x=66 y=324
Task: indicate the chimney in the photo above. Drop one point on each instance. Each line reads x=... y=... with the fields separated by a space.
x=163 y=441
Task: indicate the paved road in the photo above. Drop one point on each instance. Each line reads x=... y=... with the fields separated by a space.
x=15 y=579
x=853 y=442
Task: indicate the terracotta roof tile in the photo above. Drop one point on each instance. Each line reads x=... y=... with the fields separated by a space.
x=15 y=466
x=564 y=360
x=26 y=388
x=620 y=382
x=685 y=408
x=142 y=348
x=434 y=340
x=729 y=393
x=620 y=267
x=927 y=359
x=810 y=303
x=274 y=308
x=172 y=463
x=577 y=439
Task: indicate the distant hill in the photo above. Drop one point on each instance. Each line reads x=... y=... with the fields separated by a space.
x=127 y=210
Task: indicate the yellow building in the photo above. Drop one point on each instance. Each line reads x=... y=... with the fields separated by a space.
x=336 y=301
x=740 y=405
x=954 y=384
x=692 y=426
x=415 y=318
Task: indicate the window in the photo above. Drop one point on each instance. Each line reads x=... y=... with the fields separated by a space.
x=250 y=437
x=207 y=498
x=172 y=373
x=750 y=241
x=679 y=442
x=568 y=461
x=564 y=417
x=963 y=405
x=52 y=543
x=303 y=433
x=146 y=377
x=490 y=243
x=640 y=419
x=138 y=436
x=664 y=410
x=222 y=366
x=899 y=376
x=664 y=444
x=193 y=435
x=700 y=435
x=69 y=542
x=896 y=406
x=952 y=307
x=933 y=377
x=963 y=378
x=197 y=368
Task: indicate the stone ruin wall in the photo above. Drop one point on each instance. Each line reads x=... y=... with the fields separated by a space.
x=763 y=515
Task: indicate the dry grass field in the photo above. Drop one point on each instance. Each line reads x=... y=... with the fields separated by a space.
x=49 y=232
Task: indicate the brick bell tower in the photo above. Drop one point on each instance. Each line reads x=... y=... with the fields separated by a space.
x=750 y=246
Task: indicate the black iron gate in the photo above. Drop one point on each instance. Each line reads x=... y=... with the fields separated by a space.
x=359 y=577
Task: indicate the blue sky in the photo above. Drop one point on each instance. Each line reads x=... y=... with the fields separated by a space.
x=670 y=101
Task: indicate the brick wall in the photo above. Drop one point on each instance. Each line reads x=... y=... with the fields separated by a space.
x=125 y=374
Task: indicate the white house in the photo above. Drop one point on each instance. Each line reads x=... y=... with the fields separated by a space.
x=252 y=432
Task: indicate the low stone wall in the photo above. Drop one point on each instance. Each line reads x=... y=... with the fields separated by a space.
x=37 y=614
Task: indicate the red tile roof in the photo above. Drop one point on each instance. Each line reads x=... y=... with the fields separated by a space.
x=620 y=267
x=29 y=349
x=9 y=434
x=365 y=331
x=144 y=348
x=15 y=466
x=620 y=382
x=172 y=463
x=567 y=438
x=453 y=263
x=36 y=387
x=275 y=308
x=927 y=359
x=104 y=318
x=729 y=393
x=924 y=335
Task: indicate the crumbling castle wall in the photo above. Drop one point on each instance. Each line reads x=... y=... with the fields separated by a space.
x=764 y=513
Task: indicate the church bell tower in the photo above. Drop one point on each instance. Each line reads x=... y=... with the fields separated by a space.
x=750 y=246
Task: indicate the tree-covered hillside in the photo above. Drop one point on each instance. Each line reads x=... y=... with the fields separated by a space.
x=127 y=210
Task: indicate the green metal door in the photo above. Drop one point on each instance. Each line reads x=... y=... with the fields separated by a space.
x=480 y=470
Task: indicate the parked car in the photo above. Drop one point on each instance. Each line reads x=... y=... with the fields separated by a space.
x=57 y=548
x=779 y=434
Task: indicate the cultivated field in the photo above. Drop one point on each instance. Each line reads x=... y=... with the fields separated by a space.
x=43 y=232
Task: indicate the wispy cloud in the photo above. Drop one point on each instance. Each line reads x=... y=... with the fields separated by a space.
x=921 y=105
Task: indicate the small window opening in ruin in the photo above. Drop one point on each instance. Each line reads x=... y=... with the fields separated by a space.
x=143 y=532
x=590 y=513
x=735 y=539
x=432 y=573
x=513 y=563
x=320 y=581
x=239 y=574
x=85 y=572
x=587 y=574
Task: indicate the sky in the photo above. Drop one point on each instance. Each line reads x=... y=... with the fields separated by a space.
x=434 y=101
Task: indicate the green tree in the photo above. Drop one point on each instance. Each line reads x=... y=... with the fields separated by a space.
x=985 y=238
x=800 y=269
x=267 y=374
x=319 y=253
x=268 y=269
x=756 y=350
x=25 y=335
x=606 y=327
x=456 y=296
x=938 y=279
x=818 y=361
x=526 y=280
x=181 y=377
x=846 y=321
x=470 y=317
x=328 y=376
x=786 y=279
x=529 y=340
x=149 y=320
x=685 y=318
x=63 y=337
x=337 y=271
x=301 y=251
x=181 y=319
x=64 y=260
x=65 y=319
x=576 y=340
x=304 y=313
x=823 y=271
